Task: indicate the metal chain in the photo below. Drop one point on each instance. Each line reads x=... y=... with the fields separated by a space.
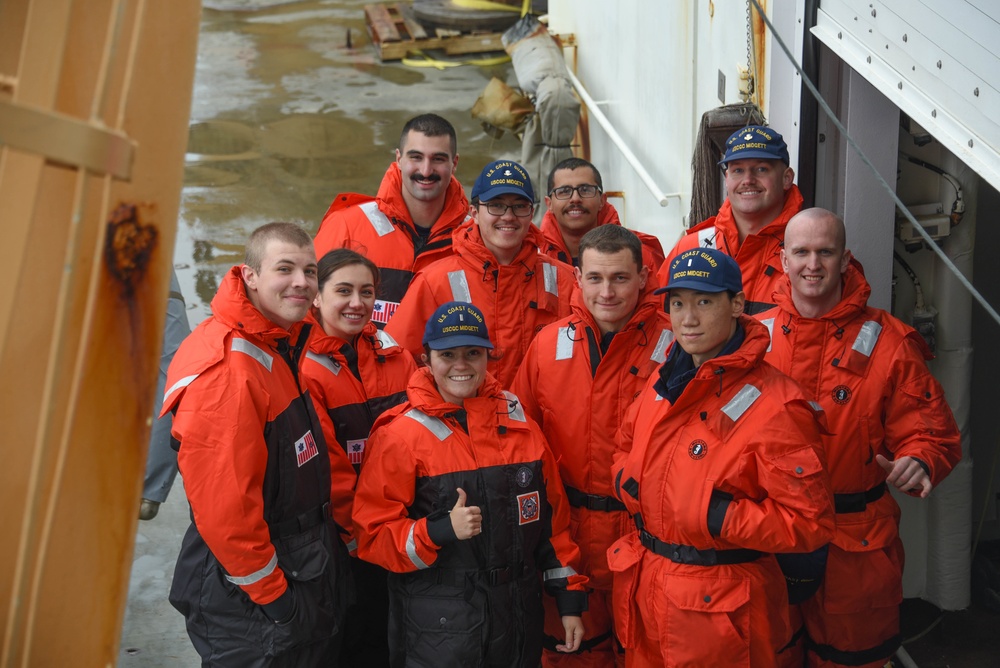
x=751 y=72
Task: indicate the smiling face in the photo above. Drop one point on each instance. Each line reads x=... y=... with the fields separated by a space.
x=610 y=284
x=346 y=300
x=503 y=235
x=427 y=164
x=284 y=288
x=576 y=215
x=704 y=322
x=756 y=190
x=458 y=372
x=814 y=258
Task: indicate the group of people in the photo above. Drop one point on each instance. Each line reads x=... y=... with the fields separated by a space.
x=458 y=439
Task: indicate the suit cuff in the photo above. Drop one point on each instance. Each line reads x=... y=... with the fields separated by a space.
x=718 y=504
x=439 y=528
x=571 y=603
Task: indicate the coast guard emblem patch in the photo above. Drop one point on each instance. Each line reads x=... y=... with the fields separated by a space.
x=528 y=506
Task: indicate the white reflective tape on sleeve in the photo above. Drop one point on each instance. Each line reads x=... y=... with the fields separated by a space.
x=516 y=410
x=706 y=237
x=867 y=338
x=183 y=382
x=816 y=407
x=379 y=221
x=352 y=546
x=411 y=550
x=555 y=573
x=325 y=362
x=257 y=576
x=433 y=425
x=551 y=276
x=386 y=339
x=459 y=287
x=564 y=343
x=243 y=346
x=769 y=323
x=739 y=404
x=660 y=351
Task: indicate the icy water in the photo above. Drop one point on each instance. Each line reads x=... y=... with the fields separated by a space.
x=292 y=106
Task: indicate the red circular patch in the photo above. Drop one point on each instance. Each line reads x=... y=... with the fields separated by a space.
x=697 y=449
x=842 y=394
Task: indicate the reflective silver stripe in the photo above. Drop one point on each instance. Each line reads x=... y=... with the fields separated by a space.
x=554 y=573
x=258 y=576
x=243 y=346
x=659 y=397
x=411 y=549
x=867 y=338
x=769 y=323
x=706 y=237
x=816 y=407
x=551 y=277
x=386 y=339
x=382 y=225
x=516 y=409
x=459 y=287
x=352 y=546
x=434 y=425
x=564 y=344
x=183 y=382
x=325 y=362
x=660 y=351
x=739 y=404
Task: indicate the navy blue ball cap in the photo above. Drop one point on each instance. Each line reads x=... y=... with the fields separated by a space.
x=755 y=141
x=503 y=177
x=704 y=270
x=456 y=324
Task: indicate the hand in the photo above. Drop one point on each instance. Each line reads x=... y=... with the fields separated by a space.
x=906 y=474
x=574 y=634
x=466 y=521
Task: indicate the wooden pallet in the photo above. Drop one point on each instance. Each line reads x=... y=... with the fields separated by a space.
x=395 y=32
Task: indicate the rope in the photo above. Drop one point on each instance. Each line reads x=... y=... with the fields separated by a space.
x=423 y=60
x=878 y=177
x=493 y=6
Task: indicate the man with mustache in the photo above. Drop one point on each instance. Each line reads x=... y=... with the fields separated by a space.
x=576 y=204
x=750 y=225
x=409 y=223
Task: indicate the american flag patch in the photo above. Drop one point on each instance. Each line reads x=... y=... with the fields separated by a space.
x=383 y=311
x=356 y=451
x=305 y=448
x=527 y=504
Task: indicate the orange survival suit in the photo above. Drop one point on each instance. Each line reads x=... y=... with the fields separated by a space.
x=759 y=256
x=724 y=468
x=868 y=371
x=382 y=230
x=259 y=478
x=469 y=602
x=579 y=396
x=517 y=299
x=555 y=247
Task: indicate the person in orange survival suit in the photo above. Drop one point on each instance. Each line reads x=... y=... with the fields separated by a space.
x=460 y=498
x=498 y=268
x=725 y=467
x=261 y=571
x=750 y=225
x=355 y=372
x=890 y=423
x=576 y=204
x=596 y=360
x=409 y=223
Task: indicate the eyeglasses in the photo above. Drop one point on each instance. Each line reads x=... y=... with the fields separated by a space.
x=565 y=192
x=521 y=209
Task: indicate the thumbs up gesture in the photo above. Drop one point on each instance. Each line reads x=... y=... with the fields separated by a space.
x=906 y=474
x=467 y=521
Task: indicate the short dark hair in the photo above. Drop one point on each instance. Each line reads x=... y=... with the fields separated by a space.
x=344 y=257
x=431 y=125
x=286 y=232
x=610 y=239
x=573 y=163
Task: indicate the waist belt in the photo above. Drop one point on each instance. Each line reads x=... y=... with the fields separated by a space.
x=460 y=577
x=686 y=554
x=302 y=522
x=579 y=499
x=857 y=502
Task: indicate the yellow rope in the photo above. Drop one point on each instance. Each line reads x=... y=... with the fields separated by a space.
x=492 y=6
x=423 y=60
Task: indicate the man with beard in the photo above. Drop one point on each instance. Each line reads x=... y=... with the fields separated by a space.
x=576 y=204
x=408 y=224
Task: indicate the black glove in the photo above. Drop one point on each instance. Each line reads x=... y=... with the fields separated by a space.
x=282 y=609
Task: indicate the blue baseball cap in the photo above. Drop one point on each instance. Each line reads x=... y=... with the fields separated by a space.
x=704 y=270
x=503 y=177
x=755 y=141
x=456 y=324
